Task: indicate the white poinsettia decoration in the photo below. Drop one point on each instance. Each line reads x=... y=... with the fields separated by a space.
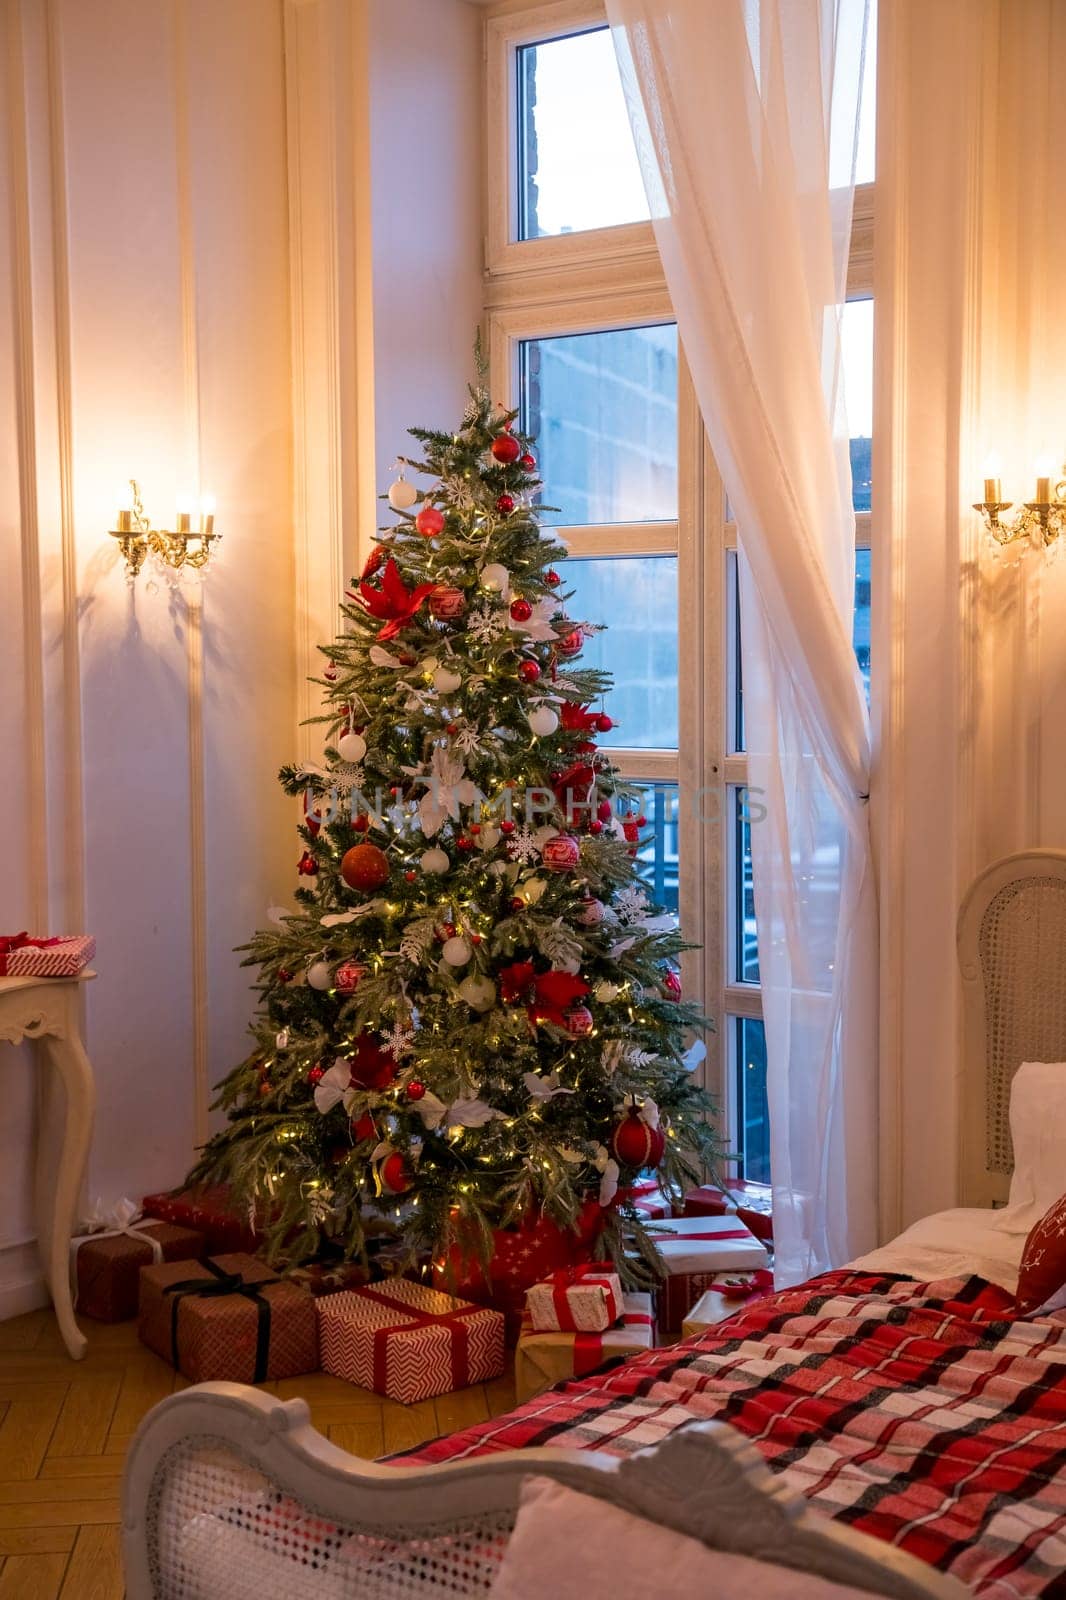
x=335 y=1086
x=609 y=1183
x=543 y=1088
x=539 y=625
x=466 y=1112
x=447 y=789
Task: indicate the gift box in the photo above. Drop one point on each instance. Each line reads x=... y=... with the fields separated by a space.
x=647 y=1200
x=729 y=1293
x=544 y=1359
x=408 y=1341
x=585 y=1299
x=752 y=1202
x=228 y=1318
x=210 y=1212
x=321 y=1278
x=62 y=957
x=106 y=1262
x=692 y=1251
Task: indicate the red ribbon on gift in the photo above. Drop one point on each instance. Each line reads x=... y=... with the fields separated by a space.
x=586 y=1272
x=683 y=1238
x=588 y=1347
x=459 y=1347
x=18 y=941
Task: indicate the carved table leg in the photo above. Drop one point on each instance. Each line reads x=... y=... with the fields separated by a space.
x=66 y=1060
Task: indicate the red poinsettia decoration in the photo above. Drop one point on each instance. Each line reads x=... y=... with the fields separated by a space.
x=547 y=996
x=578 y=719
x=393 y=603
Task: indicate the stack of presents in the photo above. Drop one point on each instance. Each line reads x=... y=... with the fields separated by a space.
x=186 y=1266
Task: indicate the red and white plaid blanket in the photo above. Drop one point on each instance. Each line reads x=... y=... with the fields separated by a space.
x=919 y=1413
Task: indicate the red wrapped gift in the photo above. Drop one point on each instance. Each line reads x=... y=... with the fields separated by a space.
x=230 y=1318
x=106 y=1260
x=753 y=1203
x=544 y=1359
x=707 y=1201
x=584 y=1299
x=208 y=1211
x=407 y=1341
x=693 y=1250
x=647 y=1199
x=62 y=957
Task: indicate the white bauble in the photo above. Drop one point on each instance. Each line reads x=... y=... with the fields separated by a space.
x=478 y=992
x=434 y=860
x=457 y=951
x=496 y=578
x=351 y=747
x=542 y=835
x=591 y=913
x=320 y=975
x=489 y=837
x=445 y=681
x=402 y=495
x=532 y=890
x=543 y=721
x=605 y=992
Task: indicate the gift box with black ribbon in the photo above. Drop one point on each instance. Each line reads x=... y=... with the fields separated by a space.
x=229 y=1318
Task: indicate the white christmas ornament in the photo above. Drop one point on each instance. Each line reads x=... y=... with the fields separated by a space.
x=434 y=860
x=605 y=992
x=532 y=890
x=489 y=837
x=478 y=992
x=319 y=975
x=543 y=721
x=445 y=681
x=402 y=494
x=496 y=578
x=457 y=951
x=351 y=747
x=591 y=914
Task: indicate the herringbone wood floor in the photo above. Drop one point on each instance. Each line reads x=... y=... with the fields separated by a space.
x=65 y=1425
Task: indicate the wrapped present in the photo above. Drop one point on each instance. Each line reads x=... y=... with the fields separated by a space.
x=729 y=1293
x=62 y=957
x=752 y=1202
x=692 y=1251
x=210 y=1212
x=108 y=1253
x=324 y=1277
x=408 y=1341
x=228 y=1318
x=544 y=1359
x=584 y=1299
x=647 y=1199
x=708 y=1201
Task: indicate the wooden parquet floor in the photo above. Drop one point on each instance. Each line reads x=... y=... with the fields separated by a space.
x=65 y=1426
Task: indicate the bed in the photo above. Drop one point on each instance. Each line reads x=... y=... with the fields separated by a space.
x=892 y=1426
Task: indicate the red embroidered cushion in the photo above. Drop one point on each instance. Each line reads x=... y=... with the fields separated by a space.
x=1043 y=1270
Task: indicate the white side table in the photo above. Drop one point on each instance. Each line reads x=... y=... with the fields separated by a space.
x=46 y=1011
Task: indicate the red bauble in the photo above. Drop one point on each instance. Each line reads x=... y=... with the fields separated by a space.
x=596 y=826
x=331 y=674
x=578 y=1021
x=634 y=1144
x=346 y=978
x=570 y=643
x=410 y=877
x=505 y=504
x=672 y=983
x=529 y=671
x=396 y=1175
x=463 y=843
x=429 y=522
x=561 y=853
x=284 y=975
x=528 y=462
x=364 y=867
x=517 y=904
x=415 y=1089
x=447 y=604
x=506 y=448
x=507 y=826
x=371 y=1067
x=307 y=866
x=444 y=931
x=361 y=823
x=364 y=1128
x=552 y=577
x=316 y=1075
x=604 y=724
x=312 y=819
x=521 y=610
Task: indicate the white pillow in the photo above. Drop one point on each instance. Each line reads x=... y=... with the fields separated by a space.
x=567 y=1545
x=1038 y=1132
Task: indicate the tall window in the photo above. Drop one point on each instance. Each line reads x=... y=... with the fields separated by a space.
x=583 y=340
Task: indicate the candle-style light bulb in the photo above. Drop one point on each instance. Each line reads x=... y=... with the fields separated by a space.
x=1045 y=466
x=207 y=513
x=993 y=486
x=124 y=498
x=185 y=505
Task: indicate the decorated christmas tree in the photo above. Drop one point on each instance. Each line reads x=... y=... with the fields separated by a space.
x=474 y=1017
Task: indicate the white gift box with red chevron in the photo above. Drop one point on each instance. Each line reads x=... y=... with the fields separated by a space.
x=61 y=957
x=407 y=1341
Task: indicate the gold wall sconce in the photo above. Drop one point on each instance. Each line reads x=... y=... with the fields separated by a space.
x=187 y=546
x=1039 y=521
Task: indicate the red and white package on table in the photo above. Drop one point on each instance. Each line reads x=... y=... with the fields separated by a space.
x=407 y=1341
x=62 y=957
x=583 y=1299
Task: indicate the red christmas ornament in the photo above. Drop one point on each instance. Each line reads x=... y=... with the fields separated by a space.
x=517 y=904
x=570 y=643
x=307 y=866
x=445 y=931
x=552 y=577
x=364 y=867
x=561 y=853
x=371 y=1067
x=429 y=522
x=316 y=1075
x=521 y=610
x=361 y=823
x=672 y=983
x=396 y=1175
x=604 y=724
x=505 y=504
x=410 y=876
x=527 y=462
x=578 y=1021
x=346 y=978
x=331 y=674
x=506 y=826
x=529 y=671
x=634 y=1144
x=463 y=843
x=284 y=975
x=373 y=562
x=603 y=811
x=264 y=1089
x=596 y=826
x=415 y=1089
x=447 y=604
x=364 y=1128
x=642 y=821
x=506 y=448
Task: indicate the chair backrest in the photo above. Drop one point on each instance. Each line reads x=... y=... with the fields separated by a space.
x=1012 y=952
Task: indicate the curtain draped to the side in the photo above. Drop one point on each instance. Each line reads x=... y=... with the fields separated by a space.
x=745 y=114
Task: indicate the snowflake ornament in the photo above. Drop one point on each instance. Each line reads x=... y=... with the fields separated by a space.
x=399 y=1040
x=522 y=846
x=630 y=904
x=347 y=778
x=459 y=493
x=486 y=624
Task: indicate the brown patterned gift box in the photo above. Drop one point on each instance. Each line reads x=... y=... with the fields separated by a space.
x=229 y=1318
x=107 y=1266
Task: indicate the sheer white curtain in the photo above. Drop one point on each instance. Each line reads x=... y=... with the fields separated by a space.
x=746 y=119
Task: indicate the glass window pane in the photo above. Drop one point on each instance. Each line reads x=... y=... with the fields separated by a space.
x=857 y=350
x=855 y=49
x=753 y=1117
x=636 y=596
x=745 y=946
x=577 y=164
x=861 y=626
x=657 y=859
x=603 y=408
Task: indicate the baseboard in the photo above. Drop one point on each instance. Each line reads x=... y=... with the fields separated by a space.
x=22 y=1287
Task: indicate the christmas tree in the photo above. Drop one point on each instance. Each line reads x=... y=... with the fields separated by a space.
x=475 y=1014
